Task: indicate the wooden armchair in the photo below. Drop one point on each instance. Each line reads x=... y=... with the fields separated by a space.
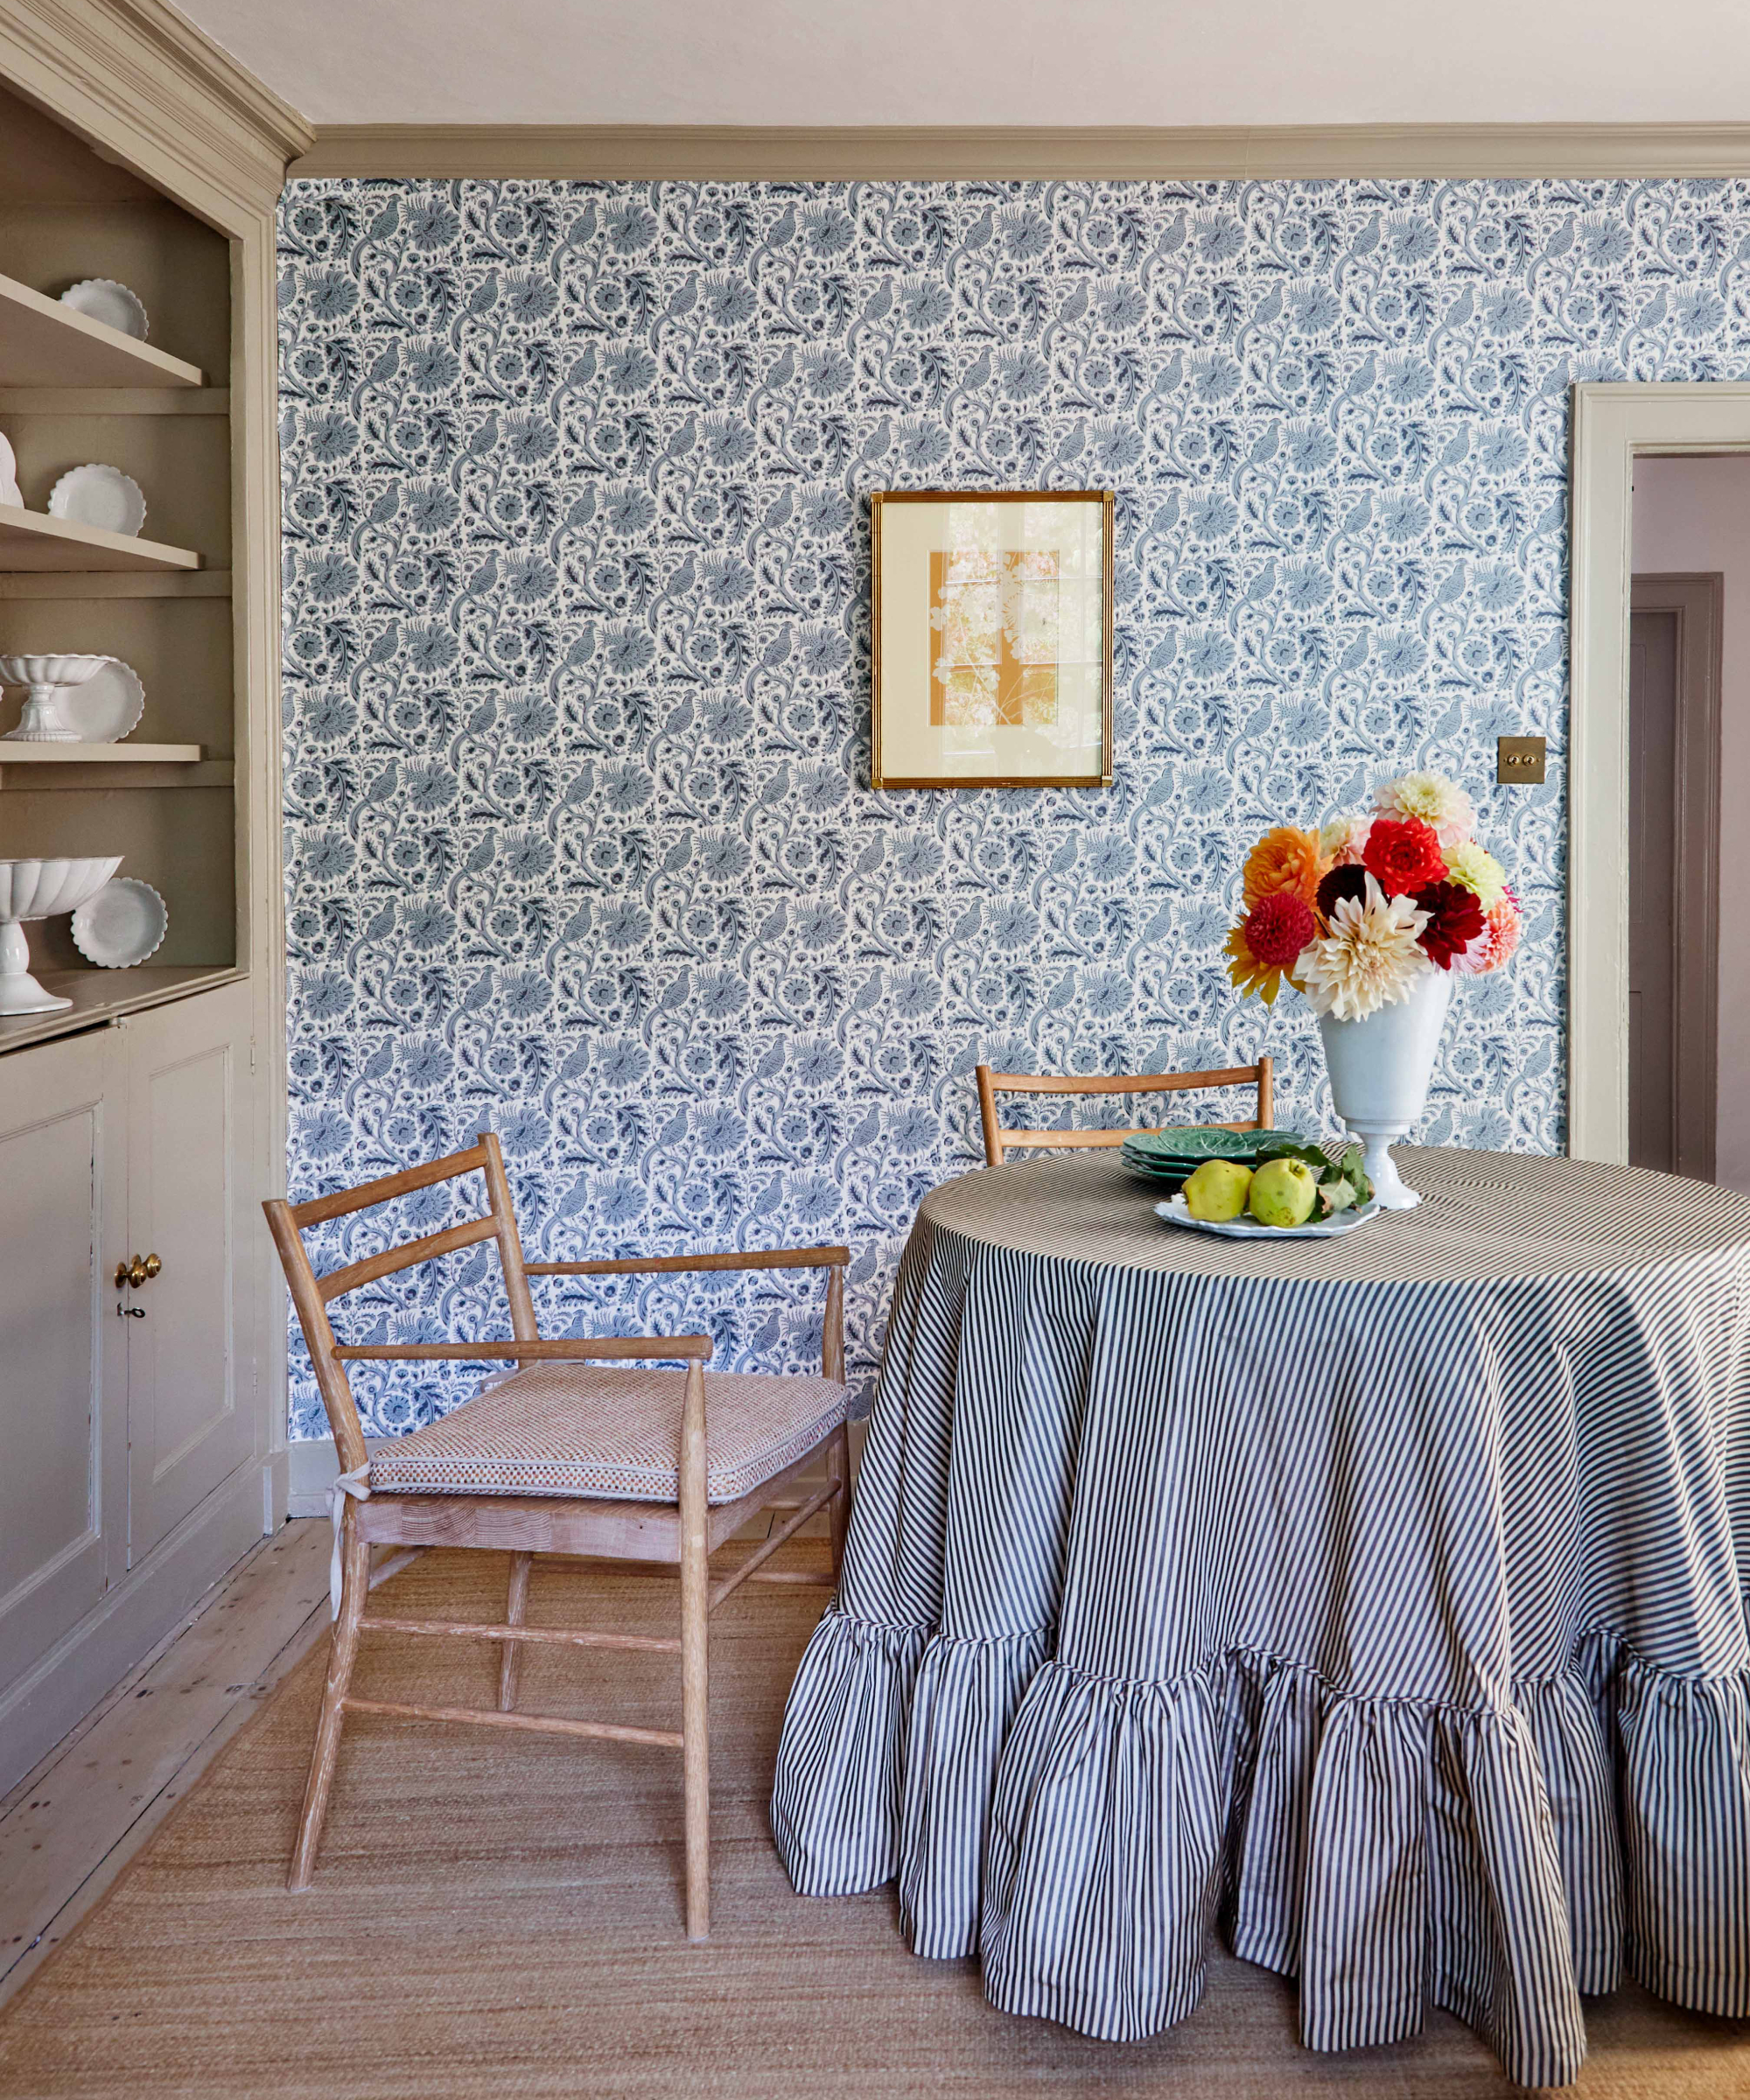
x=561 y=1457
x=998 y=1140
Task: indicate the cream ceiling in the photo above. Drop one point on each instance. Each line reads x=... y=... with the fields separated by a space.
x=945 y=62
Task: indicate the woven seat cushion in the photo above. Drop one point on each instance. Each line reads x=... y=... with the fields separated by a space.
x=584 y=1429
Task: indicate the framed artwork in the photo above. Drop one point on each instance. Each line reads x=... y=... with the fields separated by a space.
x=990 y=638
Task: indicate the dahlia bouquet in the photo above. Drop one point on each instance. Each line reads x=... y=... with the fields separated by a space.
x=1354 y=914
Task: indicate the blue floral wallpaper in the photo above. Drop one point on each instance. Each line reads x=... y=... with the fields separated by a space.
x=578 y=840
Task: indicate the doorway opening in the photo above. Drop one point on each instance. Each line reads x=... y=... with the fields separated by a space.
x=1658 y=761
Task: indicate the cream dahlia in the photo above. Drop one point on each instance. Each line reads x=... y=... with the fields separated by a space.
x=1473 y=868
x=1344 y=839
x=1431 y=796
x=1371 y=957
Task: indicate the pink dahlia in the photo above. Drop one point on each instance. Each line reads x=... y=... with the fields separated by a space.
x=1502 y=928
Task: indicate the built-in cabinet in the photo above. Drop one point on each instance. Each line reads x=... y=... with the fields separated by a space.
x=130 y=1365
x=142 y=1327
x=63 y=1389
x=190 y=1328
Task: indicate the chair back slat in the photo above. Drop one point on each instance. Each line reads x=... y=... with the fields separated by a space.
x=470 y=1232
x=523 y=1323
x=997 y=1141
x=318 y=1210
x=310 y=1293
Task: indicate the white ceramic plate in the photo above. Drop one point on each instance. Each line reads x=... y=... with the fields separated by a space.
x=103 y=299
x=9 y=474
x=103 y=496
x=1249 y=1229
x=107 y=706
x=122 y=925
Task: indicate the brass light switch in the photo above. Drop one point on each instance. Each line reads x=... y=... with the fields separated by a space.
x=1519 y=760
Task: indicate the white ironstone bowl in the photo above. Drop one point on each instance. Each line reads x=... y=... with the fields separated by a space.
x=39 y=889
x=48 y=670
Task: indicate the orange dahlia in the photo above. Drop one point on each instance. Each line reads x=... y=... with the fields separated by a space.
x=1266 y=944
x=1284 y=860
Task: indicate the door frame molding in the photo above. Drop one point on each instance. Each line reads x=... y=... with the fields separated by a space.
x=1612 y=421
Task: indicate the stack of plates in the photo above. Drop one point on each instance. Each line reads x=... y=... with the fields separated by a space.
x=1169 y=1156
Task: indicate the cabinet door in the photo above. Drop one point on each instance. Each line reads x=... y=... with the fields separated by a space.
x=62 y=1375
x=190 y=1420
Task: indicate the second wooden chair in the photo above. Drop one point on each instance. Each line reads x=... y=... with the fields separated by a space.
x=999 y=1141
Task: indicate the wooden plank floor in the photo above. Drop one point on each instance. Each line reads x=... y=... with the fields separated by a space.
x=69 y=1827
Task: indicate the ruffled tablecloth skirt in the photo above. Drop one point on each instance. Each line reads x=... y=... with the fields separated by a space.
x=1393 y=1626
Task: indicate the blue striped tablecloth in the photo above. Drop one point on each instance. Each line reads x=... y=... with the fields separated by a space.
x=1381 y=1600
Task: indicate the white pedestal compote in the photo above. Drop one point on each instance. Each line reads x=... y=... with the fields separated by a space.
x=45 y=677
x=39 y=889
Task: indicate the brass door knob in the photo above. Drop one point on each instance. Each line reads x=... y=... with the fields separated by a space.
x=137 y=1272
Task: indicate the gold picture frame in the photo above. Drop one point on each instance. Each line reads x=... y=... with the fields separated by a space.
x=990 y=638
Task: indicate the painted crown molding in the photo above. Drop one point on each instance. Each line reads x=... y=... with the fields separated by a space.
x=146 y=74
x=730 y=152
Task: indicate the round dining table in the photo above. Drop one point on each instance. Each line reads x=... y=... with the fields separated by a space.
x=1377 y=1601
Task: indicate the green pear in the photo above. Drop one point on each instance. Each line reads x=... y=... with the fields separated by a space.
x=1283 y=1192
x=1215 y=1193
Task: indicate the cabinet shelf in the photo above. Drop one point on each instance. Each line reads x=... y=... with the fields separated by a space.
x=41 y=765
x=97 y=755
x=100 y=995
x=31 y=539
x=46 y=344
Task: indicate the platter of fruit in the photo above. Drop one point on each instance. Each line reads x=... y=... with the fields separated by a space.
x=1287 y=1189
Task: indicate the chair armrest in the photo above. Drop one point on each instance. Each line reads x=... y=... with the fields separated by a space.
x=694 y=1348
x=672 y=1264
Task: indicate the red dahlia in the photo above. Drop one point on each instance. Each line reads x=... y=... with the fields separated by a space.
x=1455 y=919
x=1403 y=855
x=1278 y=928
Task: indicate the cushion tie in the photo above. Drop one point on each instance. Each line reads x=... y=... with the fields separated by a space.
x=357 y=1485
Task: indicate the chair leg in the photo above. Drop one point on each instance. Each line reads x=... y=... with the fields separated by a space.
x=695 y=1685
x=516 y=1610
x=343 y=1648
x=838 y=1468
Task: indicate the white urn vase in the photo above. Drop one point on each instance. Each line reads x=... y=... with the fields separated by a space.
x=1380 y=1069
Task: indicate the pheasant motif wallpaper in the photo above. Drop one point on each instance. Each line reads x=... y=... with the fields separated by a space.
x=580 y=841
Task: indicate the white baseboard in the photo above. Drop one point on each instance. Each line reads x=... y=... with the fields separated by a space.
x=310 y=1467
x=62 y=1687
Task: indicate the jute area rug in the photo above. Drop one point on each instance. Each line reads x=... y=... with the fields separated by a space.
x=500 y=1916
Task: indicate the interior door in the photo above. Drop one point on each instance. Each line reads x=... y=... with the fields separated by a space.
x=1673 y=687
x=62 y=1370
x=1653 y=922
x=189 y=1421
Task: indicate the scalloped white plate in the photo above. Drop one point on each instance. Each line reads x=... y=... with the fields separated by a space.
x=99 y=495
x=122 y=925
x=103 y=299
x=1249 y=1229
x=107 y=706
